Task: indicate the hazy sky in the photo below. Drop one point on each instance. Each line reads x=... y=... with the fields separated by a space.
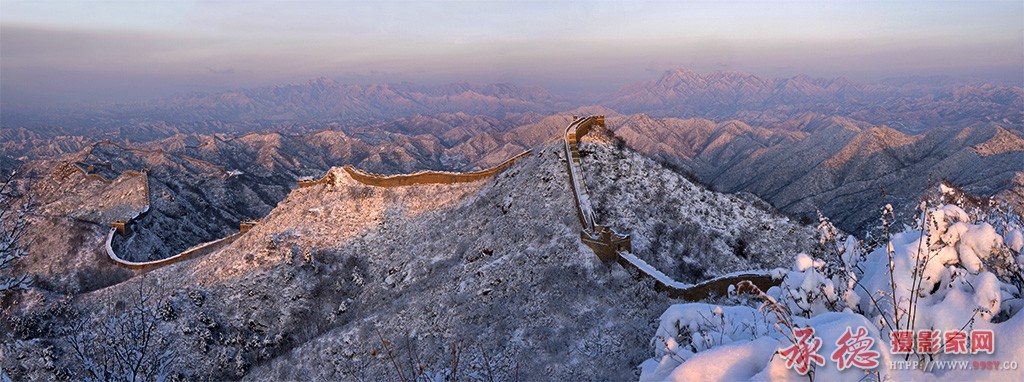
x=79 y=50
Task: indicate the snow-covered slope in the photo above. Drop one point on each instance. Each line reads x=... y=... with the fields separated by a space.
x=877 y=307
x=845 y=168
x=685 y=230
x=495 y=268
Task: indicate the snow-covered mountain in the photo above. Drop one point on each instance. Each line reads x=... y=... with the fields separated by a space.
x=203 y=185
x=342 y=280
x=910 y=107
x=845 y=168
x=494 y=268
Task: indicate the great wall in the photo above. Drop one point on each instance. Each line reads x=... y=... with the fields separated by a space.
x=425 y=177
x=122 y=227
x=605 y=242
x=429 y=177
x=609 y=245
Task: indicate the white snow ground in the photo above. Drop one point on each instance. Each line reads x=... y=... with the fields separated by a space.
x=959 y=259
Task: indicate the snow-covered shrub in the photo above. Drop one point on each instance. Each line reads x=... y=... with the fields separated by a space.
x=953 y=271
x=936 y=265
x=13 y=221
x=197 y=297
x=688 y=329
x=125 y=347
x=805 y=290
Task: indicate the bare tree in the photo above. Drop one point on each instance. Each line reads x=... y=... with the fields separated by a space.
x=13 y=221
x=127 y=347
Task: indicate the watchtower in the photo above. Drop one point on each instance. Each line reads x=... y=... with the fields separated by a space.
x=245 y=225
x=121 y=226
x=606 y=243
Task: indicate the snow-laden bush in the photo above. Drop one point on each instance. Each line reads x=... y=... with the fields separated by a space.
x=13 y=222
x=125 y=347
x=954 y=271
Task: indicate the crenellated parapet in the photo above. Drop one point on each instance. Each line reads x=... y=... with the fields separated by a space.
x=602 y=239
x=310 y=182
x=429 y=177
x=246 y=225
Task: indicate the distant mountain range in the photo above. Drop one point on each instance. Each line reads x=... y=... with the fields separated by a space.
x=908 y=106
x=758 y=100
x=800 y=143
x=846 y=168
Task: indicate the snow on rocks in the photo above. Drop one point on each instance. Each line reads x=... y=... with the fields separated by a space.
x=965 y=281
x=1014 y=240
x=806 y=288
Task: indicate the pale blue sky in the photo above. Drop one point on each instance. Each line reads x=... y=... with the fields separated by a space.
x=121 y=50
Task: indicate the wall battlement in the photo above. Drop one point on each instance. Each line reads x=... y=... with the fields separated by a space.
x=429 y=177
x=309 y=182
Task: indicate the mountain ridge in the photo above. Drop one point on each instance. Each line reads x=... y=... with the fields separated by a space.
x=907 y=106
x=754 y=99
